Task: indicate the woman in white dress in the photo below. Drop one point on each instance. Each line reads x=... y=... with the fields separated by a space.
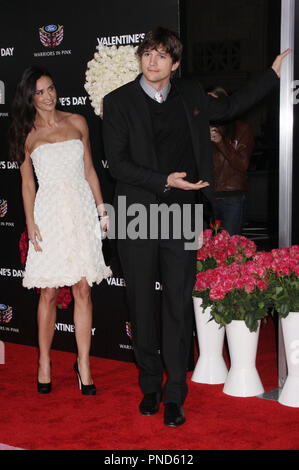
x=64 y=217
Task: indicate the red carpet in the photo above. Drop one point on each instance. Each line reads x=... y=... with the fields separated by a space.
x=111 y=421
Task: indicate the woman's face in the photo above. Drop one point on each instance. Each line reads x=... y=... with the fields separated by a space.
x=45 y=94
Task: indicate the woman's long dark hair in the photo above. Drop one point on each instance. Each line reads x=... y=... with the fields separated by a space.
x=23 y=112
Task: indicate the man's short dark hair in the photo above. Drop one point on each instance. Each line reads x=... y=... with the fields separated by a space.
x=158 y=37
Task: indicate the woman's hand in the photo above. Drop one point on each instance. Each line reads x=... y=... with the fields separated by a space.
x=104 y=217
x=34 y=235
x=104 y=221
x=215 y=135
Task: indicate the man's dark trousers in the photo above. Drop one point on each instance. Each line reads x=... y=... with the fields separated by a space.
x=176 y=269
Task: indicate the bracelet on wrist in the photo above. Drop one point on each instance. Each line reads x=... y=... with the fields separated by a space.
x=101 y=209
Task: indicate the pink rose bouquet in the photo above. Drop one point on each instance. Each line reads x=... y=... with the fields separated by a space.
x=249 y=284
x=232 y=279
x=283 y=278
x=220 y=249
x=236 y=292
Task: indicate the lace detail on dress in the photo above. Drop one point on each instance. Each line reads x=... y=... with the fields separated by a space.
x=66 y=214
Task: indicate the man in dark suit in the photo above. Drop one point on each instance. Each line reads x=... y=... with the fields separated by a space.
x=158 y=149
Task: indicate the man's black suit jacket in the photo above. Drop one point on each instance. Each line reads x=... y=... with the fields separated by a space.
x=129 y=141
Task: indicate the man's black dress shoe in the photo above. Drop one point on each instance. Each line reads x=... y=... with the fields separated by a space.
x=150 y=404
x=173 y=415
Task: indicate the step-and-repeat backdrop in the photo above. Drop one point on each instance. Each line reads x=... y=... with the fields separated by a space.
x=63 y=37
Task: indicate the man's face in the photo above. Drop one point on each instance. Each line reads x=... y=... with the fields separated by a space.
x=157 y=65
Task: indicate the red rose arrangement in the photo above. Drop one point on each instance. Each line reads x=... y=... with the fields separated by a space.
x=282 y=277
x=223 y=249
x=23 y=246
x=227 y=276
x=242 y=284
x=64 y=297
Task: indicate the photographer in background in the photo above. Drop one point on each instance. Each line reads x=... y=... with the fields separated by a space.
x=232 y=145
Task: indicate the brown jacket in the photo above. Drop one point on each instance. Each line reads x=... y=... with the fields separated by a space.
x=231 y=160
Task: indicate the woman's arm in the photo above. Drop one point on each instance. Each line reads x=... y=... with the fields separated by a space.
x=28 y=193
x=90 y=173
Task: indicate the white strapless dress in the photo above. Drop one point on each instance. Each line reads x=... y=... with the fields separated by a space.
x=66 y=214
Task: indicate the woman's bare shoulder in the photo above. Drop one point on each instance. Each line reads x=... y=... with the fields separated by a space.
x=30 y=141
x=78 y=121
x=76 y=118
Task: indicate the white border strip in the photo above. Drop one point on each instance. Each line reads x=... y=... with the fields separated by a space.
x=286 y=125
x=6 y=447
x=285 y=152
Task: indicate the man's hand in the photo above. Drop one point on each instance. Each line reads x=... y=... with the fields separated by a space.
x=276 y=66
x=176 y=180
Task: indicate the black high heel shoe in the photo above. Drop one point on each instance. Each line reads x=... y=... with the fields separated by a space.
x=85 y=389
x=44 y=388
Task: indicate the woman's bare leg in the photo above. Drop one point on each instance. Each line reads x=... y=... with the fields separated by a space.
x=46 y=317
x=83 y=325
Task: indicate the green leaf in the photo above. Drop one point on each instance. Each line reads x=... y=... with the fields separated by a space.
x=199 y=266
x=284 y=310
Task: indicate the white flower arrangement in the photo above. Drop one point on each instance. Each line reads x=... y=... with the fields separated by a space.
x=110 y=68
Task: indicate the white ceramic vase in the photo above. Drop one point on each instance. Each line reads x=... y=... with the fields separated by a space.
x=243 y=379
x=289 y=395
x=210 y=367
